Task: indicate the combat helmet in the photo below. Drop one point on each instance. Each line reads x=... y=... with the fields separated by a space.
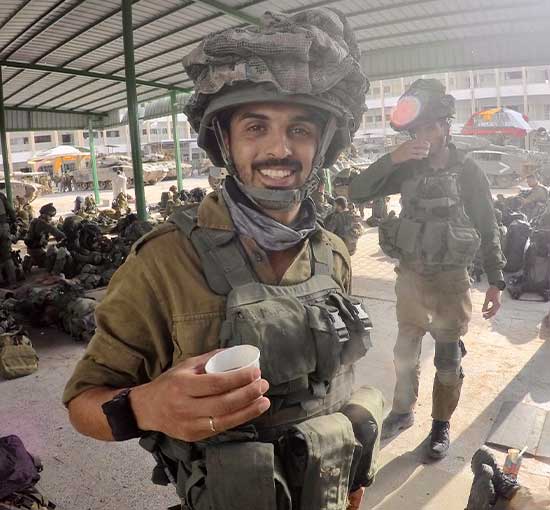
x=310 y=59
x=424 y=100
x=48 y=210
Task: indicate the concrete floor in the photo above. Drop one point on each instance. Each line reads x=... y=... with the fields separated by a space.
x=508 y=359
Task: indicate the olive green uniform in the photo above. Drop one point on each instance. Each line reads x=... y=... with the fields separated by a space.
x=434 y=300
x=159 y=309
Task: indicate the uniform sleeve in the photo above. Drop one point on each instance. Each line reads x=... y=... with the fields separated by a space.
x=380 y=179
x=478 y=204
x=54 y=232
x=131 y=345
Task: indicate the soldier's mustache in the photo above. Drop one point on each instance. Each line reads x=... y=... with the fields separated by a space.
x=291 y=164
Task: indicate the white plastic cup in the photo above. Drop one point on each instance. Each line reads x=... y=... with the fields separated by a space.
x=233 y=359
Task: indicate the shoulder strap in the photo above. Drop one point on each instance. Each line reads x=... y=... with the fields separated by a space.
x=322 y=255
x=224 y=264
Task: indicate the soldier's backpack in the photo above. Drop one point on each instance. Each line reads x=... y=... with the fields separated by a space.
x=17 y=356
x=536 y=274
x=516 y=241
x=19 y=473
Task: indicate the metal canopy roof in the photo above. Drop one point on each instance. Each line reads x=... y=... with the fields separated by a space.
x=68 y=55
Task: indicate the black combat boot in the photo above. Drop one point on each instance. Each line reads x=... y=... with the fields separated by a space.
x=439 y=439
x=396 y=422
x=505 y=485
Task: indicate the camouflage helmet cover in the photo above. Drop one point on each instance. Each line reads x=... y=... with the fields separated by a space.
x=310 y=58
x=425 y=100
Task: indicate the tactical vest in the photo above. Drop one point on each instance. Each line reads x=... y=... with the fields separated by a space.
x=301 y=454
x=433 y=231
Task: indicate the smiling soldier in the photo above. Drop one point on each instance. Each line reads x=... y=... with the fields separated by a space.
x=273 y=105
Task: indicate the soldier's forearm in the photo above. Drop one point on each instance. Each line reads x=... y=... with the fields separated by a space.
x=87 y=416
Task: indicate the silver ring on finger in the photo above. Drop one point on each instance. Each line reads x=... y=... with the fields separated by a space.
x=212 y=426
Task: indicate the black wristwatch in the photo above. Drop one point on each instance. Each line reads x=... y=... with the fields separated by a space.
x=500 y=285
x=121 y=417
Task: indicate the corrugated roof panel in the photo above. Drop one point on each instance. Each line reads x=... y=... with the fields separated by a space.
x=24 y=19
x=75 y=16
x=49 y=91
x=102 y=32
x=45 y=84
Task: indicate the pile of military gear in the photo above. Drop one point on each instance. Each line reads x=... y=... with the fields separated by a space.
x=56 y=301
x=19 y=474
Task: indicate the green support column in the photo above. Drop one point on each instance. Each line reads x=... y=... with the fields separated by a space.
x=93 y=160
x=4 y=140
x=177 y=151
x=131 y=98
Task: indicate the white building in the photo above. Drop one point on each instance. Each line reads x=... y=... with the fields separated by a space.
x=23 y=145
x=525 y=89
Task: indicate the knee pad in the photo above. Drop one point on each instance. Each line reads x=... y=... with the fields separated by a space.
x=448 y=358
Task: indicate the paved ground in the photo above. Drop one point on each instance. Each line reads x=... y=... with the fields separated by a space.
x=508 y=359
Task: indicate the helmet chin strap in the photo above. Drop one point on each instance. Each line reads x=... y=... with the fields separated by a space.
x=279 y=199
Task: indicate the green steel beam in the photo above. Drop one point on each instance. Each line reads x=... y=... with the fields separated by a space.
x=53 y=110
x=176 y=138
x=93 y=160
x=28 y=27
x=4 y=143
x=87 y=74
x=133 y=121
x=432 y=29
x=15 y=12
x=95 y=101
x=230 y=11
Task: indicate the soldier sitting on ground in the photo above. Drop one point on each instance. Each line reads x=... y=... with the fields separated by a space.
x=533 y=201
x=40 y=230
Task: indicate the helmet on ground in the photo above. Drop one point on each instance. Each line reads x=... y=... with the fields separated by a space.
x=48 y=210
x=309 y=59
x=425 y=100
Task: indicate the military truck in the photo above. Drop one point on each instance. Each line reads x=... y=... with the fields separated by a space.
x=28 y=190
x=106 y=168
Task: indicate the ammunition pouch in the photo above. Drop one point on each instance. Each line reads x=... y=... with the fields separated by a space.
x=307 y=467
x=432 y=243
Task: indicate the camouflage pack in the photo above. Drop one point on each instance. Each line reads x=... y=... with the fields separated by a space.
x=17 y=356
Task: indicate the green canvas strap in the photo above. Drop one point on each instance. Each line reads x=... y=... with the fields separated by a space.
x=224 y=264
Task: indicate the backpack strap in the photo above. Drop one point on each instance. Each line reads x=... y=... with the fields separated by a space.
x=224 y=264
x=321 y=254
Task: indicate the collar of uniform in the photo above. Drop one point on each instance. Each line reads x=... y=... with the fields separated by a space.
x=213 y=213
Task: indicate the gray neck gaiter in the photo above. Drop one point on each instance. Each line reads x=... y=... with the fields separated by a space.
x=267 y=232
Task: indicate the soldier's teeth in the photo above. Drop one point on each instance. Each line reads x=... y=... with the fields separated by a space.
x=276 y=174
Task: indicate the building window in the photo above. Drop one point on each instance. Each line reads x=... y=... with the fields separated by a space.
x=144 y=131
x=66 y=138
x=114 y=134
x=164 y=131
x=387 y=89
x=153 y=131
x=547 y=112
x=42 y=139
x=86 y=134
x=21 y=140
x=513 y=75
x=379 y=118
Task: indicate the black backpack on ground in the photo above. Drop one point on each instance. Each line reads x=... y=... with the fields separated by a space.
x=19 y=472
x=516 y=241
x=536 y=274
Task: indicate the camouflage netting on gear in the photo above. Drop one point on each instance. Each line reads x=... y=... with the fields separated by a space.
x=313 y=53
